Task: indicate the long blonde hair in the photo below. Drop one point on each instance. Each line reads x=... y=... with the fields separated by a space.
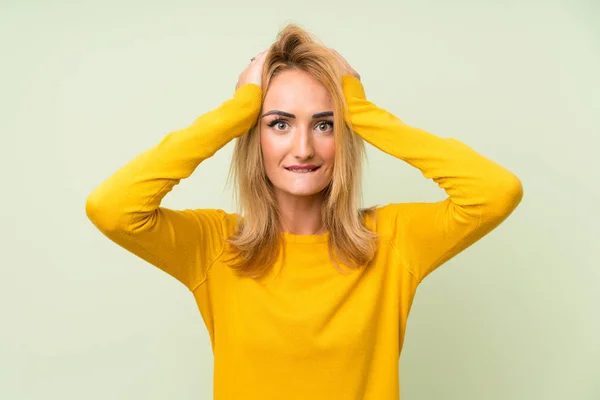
x=257 y=241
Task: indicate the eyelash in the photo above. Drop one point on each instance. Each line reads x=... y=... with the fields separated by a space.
x=275 y=122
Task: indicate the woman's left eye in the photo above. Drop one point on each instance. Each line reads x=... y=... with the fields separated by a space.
x=325 y=125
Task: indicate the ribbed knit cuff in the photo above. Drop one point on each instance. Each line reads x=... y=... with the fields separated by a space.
x=250 y=92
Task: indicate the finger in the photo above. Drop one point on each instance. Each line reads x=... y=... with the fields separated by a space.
x=261 y=55
x=338 y=56
x=258 y=56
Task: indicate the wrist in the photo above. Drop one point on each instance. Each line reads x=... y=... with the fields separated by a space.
x=352 y=87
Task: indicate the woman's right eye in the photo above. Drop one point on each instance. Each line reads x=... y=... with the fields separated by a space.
x=278 y=124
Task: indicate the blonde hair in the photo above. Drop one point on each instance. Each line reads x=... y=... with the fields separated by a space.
x=257 y=241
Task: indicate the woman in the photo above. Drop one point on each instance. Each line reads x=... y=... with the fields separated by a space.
x=305 y=296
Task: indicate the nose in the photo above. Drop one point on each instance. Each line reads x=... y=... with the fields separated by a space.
x=302 y=146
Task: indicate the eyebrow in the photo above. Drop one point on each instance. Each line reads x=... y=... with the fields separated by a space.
x=285 y=114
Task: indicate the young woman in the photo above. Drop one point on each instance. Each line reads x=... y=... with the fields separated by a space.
x=304 y=294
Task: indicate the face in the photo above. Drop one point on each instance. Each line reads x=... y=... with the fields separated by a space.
x=296 y=137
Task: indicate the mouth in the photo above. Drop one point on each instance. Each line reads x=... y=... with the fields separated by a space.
x=302 y=169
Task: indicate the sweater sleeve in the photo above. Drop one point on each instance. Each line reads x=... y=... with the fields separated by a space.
x=126 y=207
x=481 y=193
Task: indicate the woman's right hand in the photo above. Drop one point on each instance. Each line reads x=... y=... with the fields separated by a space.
x=253 y=72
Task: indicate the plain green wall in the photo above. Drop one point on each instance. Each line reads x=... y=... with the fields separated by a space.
x=86 y=87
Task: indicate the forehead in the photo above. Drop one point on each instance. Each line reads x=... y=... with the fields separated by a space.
x=293 y=90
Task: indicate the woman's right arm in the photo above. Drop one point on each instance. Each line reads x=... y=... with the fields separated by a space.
x=126 y=207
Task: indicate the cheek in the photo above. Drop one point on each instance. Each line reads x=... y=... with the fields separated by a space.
x=271 y=151
x=327 y=150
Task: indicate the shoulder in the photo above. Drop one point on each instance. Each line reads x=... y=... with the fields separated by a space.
x=218 y=221
x=382 y=217
x=391 y=219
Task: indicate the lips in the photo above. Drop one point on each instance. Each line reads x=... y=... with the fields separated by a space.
x=302 y=168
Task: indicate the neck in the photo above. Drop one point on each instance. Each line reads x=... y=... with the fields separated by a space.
x=301 y=215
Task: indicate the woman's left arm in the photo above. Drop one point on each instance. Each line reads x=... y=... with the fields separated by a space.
x=481 y=193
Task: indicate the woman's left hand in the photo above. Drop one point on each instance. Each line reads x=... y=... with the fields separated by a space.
x=346 y=68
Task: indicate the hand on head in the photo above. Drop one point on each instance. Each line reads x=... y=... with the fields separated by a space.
x=345 y=67
x=253 y=72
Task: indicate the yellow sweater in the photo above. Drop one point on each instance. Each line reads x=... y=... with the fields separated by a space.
x=305 y=331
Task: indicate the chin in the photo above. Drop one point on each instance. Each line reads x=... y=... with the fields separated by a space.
x=302 y=191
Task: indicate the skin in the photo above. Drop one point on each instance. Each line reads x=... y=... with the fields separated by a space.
x=302 y=137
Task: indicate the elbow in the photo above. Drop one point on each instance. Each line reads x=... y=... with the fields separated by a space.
x=508 y=194
x=99 y=214
x=93 y=211
x=514 y=189
x=91 y=208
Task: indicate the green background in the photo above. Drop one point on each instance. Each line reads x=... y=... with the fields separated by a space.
x=86 y=86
